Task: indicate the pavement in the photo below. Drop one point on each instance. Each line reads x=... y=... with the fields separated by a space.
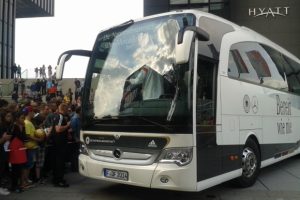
x=277 y=182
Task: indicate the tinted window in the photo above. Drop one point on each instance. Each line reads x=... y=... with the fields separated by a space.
x=292 y=71
x=288 y=68
x=216 y=30
x=238 y=56
x=278 y=60
x=206 y=99
x=251 y=62
x=259 y=64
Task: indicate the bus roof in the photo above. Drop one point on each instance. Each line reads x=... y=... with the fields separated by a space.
x=241 y=29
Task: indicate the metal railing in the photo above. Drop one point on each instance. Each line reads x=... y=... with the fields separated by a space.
x=6 y=89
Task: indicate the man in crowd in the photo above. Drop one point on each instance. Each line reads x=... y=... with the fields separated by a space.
x=77 y=88
x=19 y=72
x=38 y=121
x=31 y=144
x=16 y=85
x=75 y=126
x=60 y=142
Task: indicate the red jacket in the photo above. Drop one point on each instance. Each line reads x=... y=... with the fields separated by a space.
x=17 y=153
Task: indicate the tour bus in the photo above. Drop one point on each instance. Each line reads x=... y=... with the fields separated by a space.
x=184 y=101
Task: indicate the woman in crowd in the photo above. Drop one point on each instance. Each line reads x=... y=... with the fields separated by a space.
x=17 y=153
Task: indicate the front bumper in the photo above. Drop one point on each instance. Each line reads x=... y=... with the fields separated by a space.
x=157 y=175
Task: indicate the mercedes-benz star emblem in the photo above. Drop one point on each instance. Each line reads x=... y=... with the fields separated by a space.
x=117 y=153
x=254 y=104
x=117 y=136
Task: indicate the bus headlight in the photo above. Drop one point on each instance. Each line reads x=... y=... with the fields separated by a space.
x=179 y=156
x=83 y=149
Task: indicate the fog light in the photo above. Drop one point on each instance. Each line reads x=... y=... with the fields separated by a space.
x=164 y=179
x=82 y=167
x=83 y=149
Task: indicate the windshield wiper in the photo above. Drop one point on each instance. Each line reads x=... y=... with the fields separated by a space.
x=109 y=117
x=173 y=104
x=153 y=122
x=106 y=117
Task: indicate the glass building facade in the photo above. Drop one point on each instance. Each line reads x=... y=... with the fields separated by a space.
x=278 y=20
x=218 y=7
x=9 y=11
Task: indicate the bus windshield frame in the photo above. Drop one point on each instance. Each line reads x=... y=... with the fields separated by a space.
x=132 y=82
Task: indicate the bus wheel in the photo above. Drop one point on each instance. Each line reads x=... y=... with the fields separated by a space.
x=250 y=164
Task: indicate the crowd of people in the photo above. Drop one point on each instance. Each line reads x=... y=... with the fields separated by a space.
x=37 y=138
x=45 y=87
x=16 y=71
x=41 y=72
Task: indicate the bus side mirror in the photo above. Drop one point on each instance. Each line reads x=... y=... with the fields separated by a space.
x=60 y=65
x=184 y=41
x=65 y=56
x=183 y=47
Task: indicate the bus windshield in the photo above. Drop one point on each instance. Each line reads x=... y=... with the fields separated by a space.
x=132 y=78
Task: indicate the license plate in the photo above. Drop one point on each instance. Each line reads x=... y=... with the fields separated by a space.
x=116 y=174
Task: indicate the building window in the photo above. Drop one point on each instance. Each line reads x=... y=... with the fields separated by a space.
x=10 y=35
x=5 y=32
x=1 y=23
x=11 y=14
x=217 y=6
x=198 y=1
x=216 y=1
x=175 y=2
x=204 y=9
x=1 y=9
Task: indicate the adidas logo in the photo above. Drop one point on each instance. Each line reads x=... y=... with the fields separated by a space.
x=152 y=144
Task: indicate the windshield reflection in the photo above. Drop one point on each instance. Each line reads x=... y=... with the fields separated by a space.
x=134 y=72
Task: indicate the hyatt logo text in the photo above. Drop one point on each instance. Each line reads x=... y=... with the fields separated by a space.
x=281 y=11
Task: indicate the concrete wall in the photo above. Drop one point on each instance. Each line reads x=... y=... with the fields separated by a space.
x=7 y=85
x=280 y=21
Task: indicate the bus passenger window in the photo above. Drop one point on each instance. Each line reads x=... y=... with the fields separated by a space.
x=233 y=71
x=257 y=63
x=292 y=71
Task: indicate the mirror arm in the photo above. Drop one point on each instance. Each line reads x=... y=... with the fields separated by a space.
x=65 y=56
x=77 y=52
x=201 y=34
x=180 y=36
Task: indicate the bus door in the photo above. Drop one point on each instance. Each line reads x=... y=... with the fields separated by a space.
x=208 y=152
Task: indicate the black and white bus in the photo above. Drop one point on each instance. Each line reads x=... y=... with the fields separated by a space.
x=184 y=101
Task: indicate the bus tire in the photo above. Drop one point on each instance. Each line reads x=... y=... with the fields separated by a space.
x=250 y=164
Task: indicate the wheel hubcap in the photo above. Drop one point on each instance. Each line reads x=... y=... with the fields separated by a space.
x=249 y=162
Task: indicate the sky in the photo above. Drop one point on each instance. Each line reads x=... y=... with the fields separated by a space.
x=75 y=25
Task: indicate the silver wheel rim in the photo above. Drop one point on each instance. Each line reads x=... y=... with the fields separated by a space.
x=249 y=162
